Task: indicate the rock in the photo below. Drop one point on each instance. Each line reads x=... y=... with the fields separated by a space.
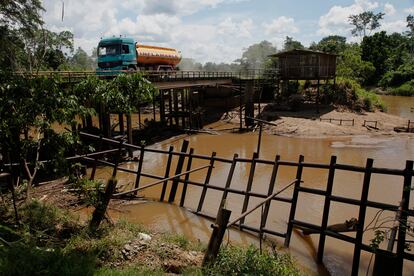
x=127 y=247
x=144 y=237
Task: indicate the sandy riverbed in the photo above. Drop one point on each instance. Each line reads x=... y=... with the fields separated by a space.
x=307 y=123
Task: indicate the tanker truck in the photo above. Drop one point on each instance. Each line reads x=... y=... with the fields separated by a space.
x=118 y=54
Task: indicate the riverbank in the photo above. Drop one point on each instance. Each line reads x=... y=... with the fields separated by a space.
x=56 y=241
x=328 y=123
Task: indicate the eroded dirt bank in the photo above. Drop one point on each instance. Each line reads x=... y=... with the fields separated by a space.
x=328 y=122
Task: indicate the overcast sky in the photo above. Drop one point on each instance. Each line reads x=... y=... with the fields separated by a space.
x=215 y=30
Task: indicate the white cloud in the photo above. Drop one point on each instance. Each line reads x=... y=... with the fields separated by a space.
x=389 y=9
x=336 y=20
x=409 y=10
x=281 y=25
x=394 y=26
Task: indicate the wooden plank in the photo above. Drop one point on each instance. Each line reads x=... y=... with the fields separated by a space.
x=187 y=176
x=167 y=173
x=270 y=190
x=361 y=217
x=403 y=218
x=228 y=181
x=294 y=201
x=249 y=185
x=326 y=207
x=139 y=169
x=178 y=170
x=206 y=182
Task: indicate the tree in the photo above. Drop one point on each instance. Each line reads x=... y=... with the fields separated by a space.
x=333 y=44
x=351 y=66
x=81 y=61
x=25 y=44
x=256 y=56
x=16 y=15
x=291 y=44
x=28 y=108
x=365 y=21
x=410 y=33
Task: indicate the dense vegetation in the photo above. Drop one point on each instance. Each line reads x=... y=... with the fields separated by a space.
x=51 y=241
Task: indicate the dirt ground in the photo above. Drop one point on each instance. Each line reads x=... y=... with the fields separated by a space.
x=308 y=123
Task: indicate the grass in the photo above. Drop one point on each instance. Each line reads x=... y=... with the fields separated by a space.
x=235 y=260
x=183 y=242
x=129 y=271
x=49 y=241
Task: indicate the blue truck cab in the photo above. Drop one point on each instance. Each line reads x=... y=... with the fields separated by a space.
x=116 y=54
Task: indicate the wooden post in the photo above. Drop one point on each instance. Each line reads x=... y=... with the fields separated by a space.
x=178 y=170
x=95 y=164
x=294 y=201
x=167 y=173
x=153 y=104
x=228 y=181
x=326 y=207
x=241 y=103
x=162 y=107
x=259 y=141
x=317 y=97
x=361 y=217
x=187 y=177
x=129 y=133
x=206 y=182
x=139 y=116
x=385 y=264
x=100 y=210
x=270 y=190
x=219 y=228
x=121 y=123
x=117 y=159
x=176 y=119
x=403 y=218
x=170 y=111
x=139 y=170
x=249 y=185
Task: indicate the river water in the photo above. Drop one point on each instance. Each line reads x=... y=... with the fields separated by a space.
x=391 y=152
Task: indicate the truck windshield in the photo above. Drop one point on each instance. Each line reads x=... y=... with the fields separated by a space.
x=110 y=49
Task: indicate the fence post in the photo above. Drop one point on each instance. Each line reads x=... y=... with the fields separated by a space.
x=219 y=228
x=167 y=173
x=228 y=181
x=178 y=170
x=329 y=187
x=117 y=159
x=270 y=190
x=100 y=210
x=139 y=170
x=249 y=186
x=361 y=217
x=95 y=163
x=408 y=175
x=206 y=181
x=294 y=201
x=187 y=176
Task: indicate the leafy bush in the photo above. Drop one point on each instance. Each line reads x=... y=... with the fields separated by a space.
x=350 y=93
x=406 y=89
x=234 y=260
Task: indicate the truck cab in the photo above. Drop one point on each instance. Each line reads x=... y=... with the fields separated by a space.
x=116 y=54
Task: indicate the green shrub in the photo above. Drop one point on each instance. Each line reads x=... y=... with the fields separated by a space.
x=406 y=89
x=234 y=260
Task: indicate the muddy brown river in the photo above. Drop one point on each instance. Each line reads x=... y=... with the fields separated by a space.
x=391 y=152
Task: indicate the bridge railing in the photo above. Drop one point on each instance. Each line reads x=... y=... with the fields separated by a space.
x=156 y=76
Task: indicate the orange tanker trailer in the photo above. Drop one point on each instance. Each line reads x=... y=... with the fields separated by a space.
x=117 y=54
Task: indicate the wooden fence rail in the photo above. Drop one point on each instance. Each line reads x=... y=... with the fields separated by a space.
x=323 y=229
